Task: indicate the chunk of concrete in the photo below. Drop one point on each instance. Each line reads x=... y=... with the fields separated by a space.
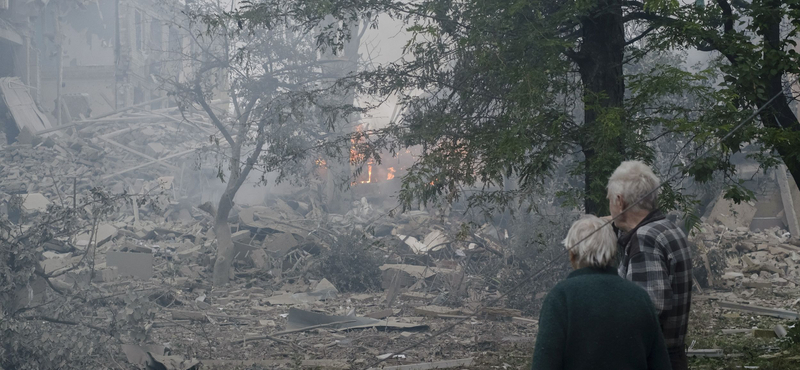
x=104 y=233
x=279 y=244
x=35 y=202
x=732 y=215
x=155 y=149
x=138 y=265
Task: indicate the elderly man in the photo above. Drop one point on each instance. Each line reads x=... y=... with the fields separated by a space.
x=655 y=252
x=595 y=319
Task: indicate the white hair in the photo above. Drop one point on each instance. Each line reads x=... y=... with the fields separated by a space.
x=595 y=249
x=634 y=181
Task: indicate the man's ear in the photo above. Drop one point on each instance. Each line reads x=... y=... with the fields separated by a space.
x=621 y=202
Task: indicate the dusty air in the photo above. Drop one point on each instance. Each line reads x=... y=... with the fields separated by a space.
x=399 y=184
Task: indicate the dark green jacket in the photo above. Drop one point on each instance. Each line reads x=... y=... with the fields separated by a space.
x=597 y=320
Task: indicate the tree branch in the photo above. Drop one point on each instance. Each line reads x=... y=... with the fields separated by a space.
x=641 y=35
x=727 y=13
x=207 y=108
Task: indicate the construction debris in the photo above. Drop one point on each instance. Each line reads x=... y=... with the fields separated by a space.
x=782 y=314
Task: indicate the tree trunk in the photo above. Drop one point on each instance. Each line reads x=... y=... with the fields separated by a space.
x=600 y=65
x=779 y=114
x=225 y=249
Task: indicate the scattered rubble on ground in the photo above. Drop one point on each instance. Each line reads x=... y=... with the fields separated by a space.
x=747 y=296
x=281 y=312
x=277 y=313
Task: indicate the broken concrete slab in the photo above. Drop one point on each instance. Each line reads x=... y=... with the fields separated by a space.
x=104 y=233
x=732 y=215
x=433 y=241
x=279 y=244
x=382 y=314
x=155 y=149
x=138 y=265
x=783 y=314
x=35 y=202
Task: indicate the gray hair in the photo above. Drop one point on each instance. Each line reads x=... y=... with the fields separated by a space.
x=595 y=249
x=634 y=181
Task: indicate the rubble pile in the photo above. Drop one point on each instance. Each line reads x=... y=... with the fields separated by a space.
x=281 y=304
x=742 y=258
x=273 y=310
x=747 y=289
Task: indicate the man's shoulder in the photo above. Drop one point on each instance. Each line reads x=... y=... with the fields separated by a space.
x=661 y=234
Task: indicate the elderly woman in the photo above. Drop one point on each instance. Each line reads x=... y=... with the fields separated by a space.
x=595 y=319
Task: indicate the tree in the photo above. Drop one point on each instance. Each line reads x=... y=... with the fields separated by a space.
x=514 y=88
x=281 y=98
x=758 y=59
x=494 y=90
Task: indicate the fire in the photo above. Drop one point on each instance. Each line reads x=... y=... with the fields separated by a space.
x=321 y=163
x=390 y=175
x=355 y=156
x=369 y=173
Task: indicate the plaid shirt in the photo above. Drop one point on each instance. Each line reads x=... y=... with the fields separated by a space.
x=657 y=258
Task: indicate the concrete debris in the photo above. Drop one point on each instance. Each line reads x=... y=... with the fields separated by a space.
x=705 y=353
x=138 y=265
x=432 y=365
x=299 y=319
x=782 y=314
x=35 y=202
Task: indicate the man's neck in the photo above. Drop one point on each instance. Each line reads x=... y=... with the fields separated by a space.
x=630 y=219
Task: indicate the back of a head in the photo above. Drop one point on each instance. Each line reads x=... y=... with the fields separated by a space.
x=595 y=249
x=635 y=182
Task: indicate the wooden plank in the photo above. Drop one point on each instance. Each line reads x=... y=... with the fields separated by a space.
x=766 y=311
x=524 y=320
x=788 y=204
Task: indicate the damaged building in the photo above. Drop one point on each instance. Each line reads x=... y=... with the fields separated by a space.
x=89 y=58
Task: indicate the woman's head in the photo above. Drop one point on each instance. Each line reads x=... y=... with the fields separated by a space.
x=588 y=248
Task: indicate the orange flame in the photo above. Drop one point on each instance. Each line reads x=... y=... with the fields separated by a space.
x=390 y=175
x=369 y=173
